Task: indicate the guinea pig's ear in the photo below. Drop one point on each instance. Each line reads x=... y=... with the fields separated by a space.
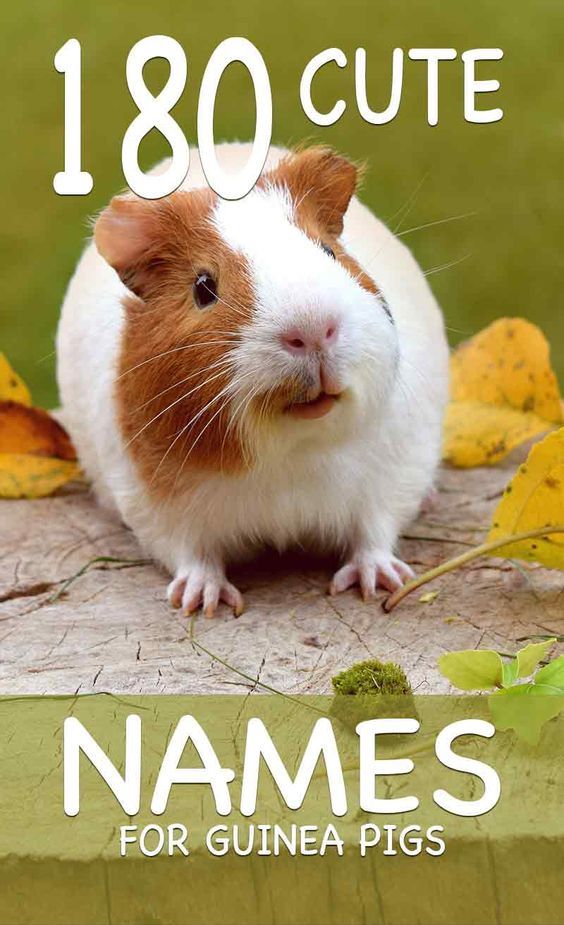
x=125 y=234
x=321 y=179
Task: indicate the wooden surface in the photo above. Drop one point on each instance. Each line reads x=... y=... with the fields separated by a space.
x=112 y=629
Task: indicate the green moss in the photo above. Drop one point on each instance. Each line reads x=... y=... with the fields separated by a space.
x=372 y=677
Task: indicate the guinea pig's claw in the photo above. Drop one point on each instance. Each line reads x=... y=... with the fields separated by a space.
x=175 y=592
x=205 y=590
x=371 y=571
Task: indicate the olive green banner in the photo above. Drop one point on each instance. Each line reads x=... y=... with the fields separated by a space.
x=479 y=840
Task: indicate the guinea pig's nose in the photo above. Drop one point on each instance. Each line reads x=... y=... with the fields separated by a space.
x=302 y=340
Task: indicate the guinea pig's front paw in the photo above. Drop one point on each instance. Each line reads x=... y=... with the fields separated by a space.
x=371 y=570
x=203 y=585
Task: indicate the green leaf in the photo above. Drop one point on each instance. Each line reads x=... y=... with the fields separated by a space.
x=471 y=671
x=552 y=675
x=509 y=672
x=529 y=657
x=525 y=708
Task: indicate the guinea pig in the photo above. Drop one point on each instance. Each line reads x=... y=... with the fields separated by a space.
x=271 y=371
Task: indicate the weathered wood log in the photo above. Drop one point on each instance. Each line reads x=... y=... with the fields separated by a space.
x=111 y=628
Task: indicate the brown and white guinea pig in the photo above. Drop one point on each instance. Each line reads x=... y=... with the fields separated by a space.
x=267 y=371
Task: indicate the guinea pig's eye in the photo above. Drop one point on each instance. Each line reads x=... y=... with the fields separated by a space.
x=328 y=250
x=205 y=290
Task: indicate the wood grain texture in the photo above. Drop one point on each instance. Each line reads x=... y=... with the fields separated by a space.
x=112 y=630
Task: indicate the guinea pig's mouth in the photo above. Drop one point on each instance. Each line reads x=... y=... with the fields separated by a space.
x=316 y=408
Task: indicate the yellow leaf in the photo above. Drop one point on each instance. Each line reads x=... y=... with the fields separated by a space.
x=503 y=393
x=535 y=499
x=476 y=434
x=32 y=430
x=26 y=476
x=36 y=453
x=429 y=597
x=508 y=363
x=12 y=388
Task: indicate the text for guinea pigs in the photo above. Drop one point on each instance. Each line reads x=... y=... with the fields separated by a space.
x=261 y=749
x=154 y=111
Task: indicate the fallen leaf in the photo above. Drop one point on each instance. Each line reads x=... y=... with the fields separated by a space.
x=12 y=388
x=552 y=675
x=529 y=657
x=503 y=392
x=31 y=430
x=429 y=597
x=534 y=499
x=525 y=661
x=525 y=708
x=476 y=434
x=25 y=476
x=36 y=454
x=508 y=363
x=510 y=669
x=472 y=670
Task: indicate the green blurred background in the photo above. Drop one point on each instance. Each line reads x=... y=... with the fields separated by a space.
x=508 y=173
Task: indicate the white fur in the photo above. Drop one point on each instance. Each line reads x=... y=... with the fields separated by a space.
x=350 y=480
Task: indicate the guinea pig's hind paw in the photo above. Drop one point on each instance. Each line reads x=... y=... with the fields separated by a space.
x=198 y=589
x=371 y=571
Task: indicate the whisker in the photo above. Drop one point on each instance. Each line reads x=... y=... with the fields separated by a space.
x=187 y=426
x=172 y=404
x=238 y=309
x=203 y=430
x=223 y=361
x=245 y=404
x=404 y=210
x=225 y=392
x=261 y=412
x=446 y=266
x=48 y=356
x=191 y=346
x=458 y=331
x=242 y=311
x=440 y=221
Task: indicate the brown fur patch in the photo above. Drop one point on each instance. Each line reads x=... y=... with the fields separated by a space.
x=321 y=184
x=171 y=418
x=170 y=347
